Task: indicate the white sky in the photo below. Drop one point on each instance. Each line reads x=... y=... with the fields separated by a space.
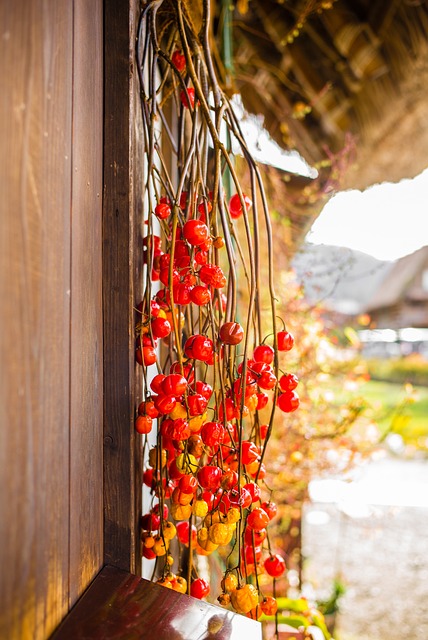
x=387 y=221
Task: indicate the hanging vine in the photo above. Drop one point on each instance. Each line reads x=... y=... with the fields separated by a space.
x=209 y=351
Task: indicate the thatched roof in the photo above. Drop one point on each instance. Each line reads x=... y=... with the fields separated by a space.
x=403 y=282
x=319 y=70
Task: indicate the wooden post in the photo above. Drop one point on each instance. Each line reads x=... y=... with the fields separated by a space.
x=121 y=271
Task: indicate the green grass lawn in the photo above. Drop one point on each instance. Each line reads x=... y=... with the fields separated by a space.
x=411 y=422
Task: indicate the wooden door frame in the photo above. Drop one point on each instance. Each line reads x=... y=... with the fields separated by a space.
x=122 y=283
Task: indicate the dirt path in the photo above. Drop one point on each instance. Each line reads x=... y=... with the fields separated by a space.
x=381 y=554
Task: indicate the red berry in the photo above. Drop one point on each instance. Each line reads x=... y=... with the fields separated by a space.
x=213 y=433
x=178 y=60
x=200 y=295
x=174 y=384
x=182 y=294
x=196 y=232
x=145 y=355
x=264 y=375
x=183 y=533
x=156 y=383
x=235 y=206
x=269 y=606
x=163 y=296
x=240 y=498
x=231 y=411
x=251 y=555
x=275 y=565
x=154 y=308
x=257 y=536
x=203 y=388
x=263 y=353
x=209 y=477
x=258 y=519
x=201 y=256
x=197 y=404
x=174 y=471
x=175 y=429
x=156 y=509
x=148 y=408
x=164 y=404
x=212 y=275
x=149 y=554
x=199 y=347
x=271 y=509
x=254 y=490
x=164 y=276
x=162 y=210
x=183 y=198
x=250 y=452
x=143 y=424
x=263 y=429
x=285 y=341
x=186 y=370
x=150 y=522
x=161 y=327
x=181 y=249
x=212 y=499
x=187 y=98
x=152 y=241
x=262 y=400
x=204 y=208
x=288 y=401
x=288 y=382
x=199 y=588
x=231 y=333
x=188 y=483
x=148 y=477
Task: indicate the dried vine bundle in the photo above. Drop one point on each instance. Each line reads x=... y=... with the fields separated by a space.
x=211 y=376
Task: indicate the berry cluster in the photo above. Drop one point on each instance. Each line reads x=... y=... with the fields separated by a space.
x=207 y=469
x=212 y=382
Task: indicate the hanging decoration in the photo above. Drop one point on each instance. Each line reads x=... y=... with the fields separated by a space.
x=210 y=354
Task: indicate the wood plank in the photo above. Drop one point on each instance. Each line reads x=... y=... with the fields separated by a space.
x=121 y=605
x=86 y=382
x=35 y=122
x=122 y=183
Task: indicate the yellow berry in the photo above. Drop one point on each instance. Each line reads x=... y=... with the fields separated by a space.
x=179 y=411
x=160 y=547
x=186 y=463
x=200 y=508
x=244 y=598
x=229 y=582
x=233 y=515
x=220 y=533
x=149 y=542
x=181 y=511
x=169 y=530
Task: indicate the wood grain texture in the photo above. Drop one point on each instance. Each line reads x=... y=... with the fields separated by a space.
x=51 y=517
x=120 y=605
x=35 y=176
x=86 y=381
x=122 y=184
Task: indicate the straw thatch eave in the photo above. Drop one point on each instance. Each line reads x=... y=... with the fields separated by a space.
x=360 y=67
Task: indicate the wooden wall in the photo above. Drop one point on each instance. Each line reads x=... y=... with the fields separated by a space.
x=51 y=348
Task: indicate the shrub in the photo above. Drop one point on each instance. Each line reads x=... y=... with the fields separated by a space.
x=413 y=369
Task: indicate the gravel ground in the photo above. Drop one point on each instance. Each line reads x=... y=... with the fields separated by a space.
x=381 y=554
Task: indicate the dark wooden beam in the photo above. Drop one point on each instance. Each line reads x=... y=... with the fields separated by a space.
x=120 y=605
x=121 y=274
